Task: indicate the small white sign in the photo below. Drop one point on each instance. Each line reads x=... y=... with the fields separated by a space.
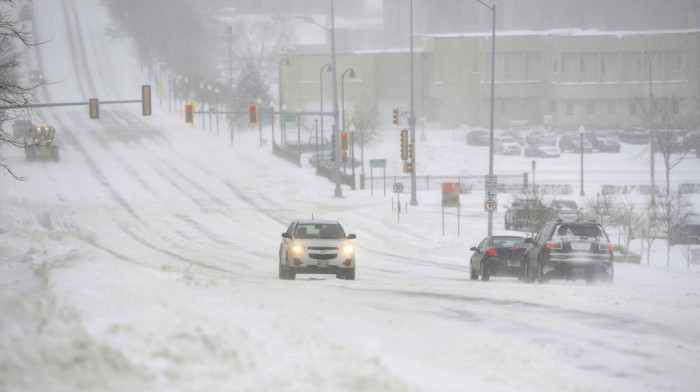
x=490 y=205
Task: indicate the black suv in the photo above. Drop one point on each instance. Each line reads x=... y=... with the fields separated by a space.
x=569 y=250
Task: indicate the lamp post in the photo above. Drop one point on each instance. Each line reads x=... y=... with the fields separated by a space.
x=336 y=115
x=582 y=130
x=493 y=70
x=201 y=88
x=342 y=90
x=652 y=135
x=284 y=61
x=352 y=154
x=327 y=67
x=216 y=91
x=209 y=98
x=412 y=122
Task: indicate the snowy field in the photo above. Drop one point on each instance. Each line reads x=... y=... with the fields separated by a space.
x=146 y=260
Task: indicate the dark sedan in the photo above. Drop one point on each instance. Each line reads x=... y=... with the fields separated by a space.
x=498 y=256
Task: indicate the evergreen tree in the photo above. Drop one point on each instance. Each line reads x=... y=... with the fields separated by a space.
x=251 y=89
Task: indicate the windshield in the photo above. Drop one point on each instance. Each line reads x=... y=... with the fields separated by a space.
x=319 y=230
x=565 y=205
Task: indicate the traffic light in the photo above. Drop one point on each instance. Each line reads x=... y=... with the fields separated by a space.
x=411 y=152
x=252 y=114
x=146 y=100
x=344 y=141
x=345 y=156
x=189 y=114
x=94 y=108
x=410 y=167
x=397 y=116
x=404 y=144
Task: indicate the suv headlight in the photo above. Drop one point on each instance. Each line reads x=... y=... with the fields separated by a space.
x=348 y=249
x=297 y=248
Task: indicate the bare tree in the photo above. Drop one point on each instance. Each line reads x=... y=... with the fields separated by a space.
x=602 y=209
x=13 y=93
x=366 y=122
x=673 y=209
x=664 y=117
x=647 y=230
x=627 y=219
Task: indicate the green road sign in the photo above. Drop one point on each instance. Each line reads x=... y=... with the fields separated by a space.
x=290 y=118
x=377 y=163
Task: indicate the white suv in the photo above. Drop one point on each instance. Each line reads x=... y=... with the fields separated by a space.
x=316 y=246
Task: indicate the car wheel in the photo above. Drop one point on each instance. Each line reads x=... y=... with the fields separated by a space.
x=281 y=272
x=291 y=275
x=526 y=272
x=540 y=272
x=349 y=275
x=484 y=271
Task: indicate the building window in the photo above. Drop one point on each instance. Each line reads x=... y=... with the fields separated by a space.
x=569 y=108
x=591 y=109
x=611 y=108
x=554 y=65
x=582 y=65
x=503 y=106
x=553 y=107
x=602 y=65
x=633 y=108
x=675 y=104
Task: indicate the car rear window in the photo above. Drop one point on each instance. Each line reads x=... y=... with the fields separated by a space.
x=579 y=231
x=512 y=242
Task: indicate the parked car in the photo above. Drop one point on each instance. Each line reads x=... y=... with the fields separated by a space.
x=670 y=142
x=604 y=142
x=316 y=246
x=542 y=151
x=526 y=214
x=515 y=135
x=572 y=142
x=565 y=210
x=692 y=141
x=687 y=232
x=569 y=250
x=478 y=137
x=507 y=145
x=635 y=136
x=497 y=256
x=541 y=137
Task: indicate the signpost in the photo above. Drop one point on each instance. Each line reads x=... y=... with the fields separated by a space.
x=290 y=118
x=491 y=199
x=398 y=188
x=378 y=164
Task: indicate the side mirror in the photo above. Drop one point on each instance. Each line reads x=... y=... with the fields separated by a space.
x=351 y=236
x=528 y=240
x=285 y=235
x=473 y=248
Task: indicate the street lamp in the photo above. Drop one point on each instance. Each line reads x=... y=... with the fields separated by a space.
x=652 y=134
x=493 y=72
x=582 y=130
x=412 y=122
x=342 y=89
x=209 y=98
x=336 y=115
x=328 y=68
x=284 y=61
x=216 y=91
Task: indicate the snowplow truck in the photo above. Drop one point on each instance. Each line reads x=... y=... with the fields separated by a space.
x=40 y=144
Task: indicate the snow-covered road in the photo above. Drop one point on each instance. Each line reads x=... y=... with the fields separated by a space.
x=146 y=259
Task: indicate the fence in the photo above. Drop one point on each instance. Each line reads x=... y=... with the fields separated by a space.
x=291 y=155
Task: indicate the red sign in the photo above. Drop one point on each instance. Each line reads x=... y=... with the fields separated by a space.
x=450 y=194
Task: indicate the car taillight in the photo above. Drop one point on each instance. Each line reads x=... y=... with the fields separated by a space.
x=492 y=252
x=605 y=246
x=553 y=245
